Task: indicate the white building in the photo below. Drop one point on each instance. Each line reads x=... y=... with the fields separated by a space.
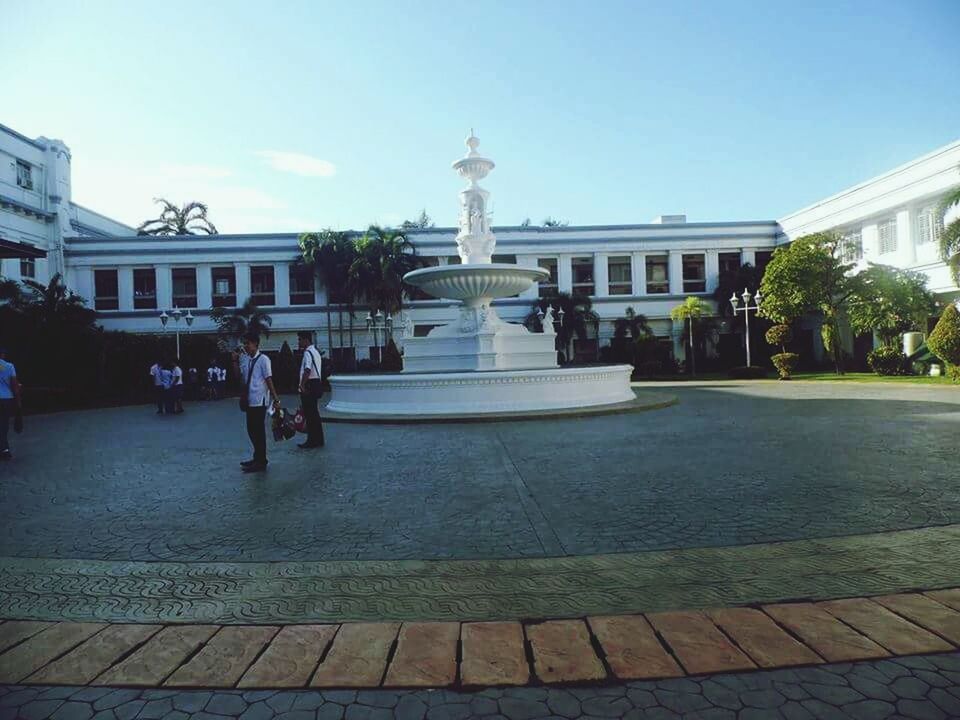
x=130 y=279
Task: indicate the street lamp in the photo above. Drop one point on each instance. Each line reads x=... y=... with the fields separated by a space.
x=746 y=312
x=176 y=314
x=376 y=323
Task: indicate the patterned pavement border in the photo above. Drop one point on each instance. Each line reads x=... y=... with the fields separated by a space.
x=473 y=655
x=352 y=591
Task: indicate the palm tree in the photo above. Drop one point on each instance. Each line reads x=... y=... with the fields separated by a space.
x=632 y=323
x=187 y=220
x=54 y=306
x=235 y=322
x=950 y=237
x=384 y=256
x=332 y=254
x=577 y=316
x=689 y=311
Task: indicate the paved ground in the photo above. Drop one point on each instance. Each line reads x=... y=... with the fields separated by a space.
x=914 y=687
x=728 y=465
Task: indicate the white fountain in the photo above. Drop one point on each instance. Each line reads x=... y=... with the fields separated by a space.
x=480 y=364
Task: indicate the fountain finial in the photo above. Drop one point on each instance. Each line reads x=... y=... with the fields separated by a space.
x=473 y=142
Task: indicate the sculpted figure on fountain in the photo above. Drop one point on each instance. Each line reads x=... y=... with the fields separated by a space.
x=475 y=241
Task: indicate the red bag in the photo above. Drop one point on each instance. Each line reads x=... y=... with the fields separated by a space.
x=300 y=421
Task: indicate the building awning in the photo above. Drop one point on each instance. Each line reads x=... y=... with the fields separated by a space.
x=12 y=249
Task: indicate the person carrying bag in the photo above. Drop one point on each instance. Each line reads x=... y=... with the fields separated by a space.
x=256 y=399
x=311 y=388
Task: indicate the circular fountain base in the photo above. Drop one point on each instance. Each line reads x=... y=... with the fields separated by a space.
x=466 y=395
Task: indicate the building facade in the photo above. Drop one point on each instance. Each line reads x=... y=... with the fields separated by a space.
x=131 y=279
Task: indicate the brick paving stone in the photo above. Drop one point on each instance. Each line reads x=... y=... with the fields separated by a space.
x=762 y=639
x=82 y=664
x=13 y=631
x=291 y=657
x=897 y=635
x=698 y=644
x=358 y=656
x=824 y=633
x=224 y=658
x=493 y=654
x=941 y=619
x=632 y=649
x=562 y=652
x=35 y=652
x=426 y=655
x=950 y=598
x=160 y=656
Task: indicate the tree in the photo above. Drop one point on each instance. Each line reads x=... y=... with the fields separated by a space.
x=690 y=311
x=891 y=302
x=553 y=222
x=383 y=258
x=808 y=275
x=950 y=237
x=525 y=223
x=422 y=222
x=190 y=219
x=944 y=341
x=577 y=316
x=632 y=323
x=53 y=307
x=235 y=322
x=331 y=254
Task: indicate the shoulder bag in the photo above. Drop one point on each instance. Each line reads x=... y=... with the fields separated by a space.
x=245 y=398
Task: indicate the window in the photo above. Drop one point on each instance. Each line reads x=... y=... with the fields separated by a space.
x=729 y=263
x=144 y=289
x=24 y=175
x=28 y=268
x=301 y=285
x=887 y=234
x=224 y=286
x=763 y=259
x=582 y=275
x=262 y=286
x=454 y=260
x=929 y=225
x=620 y=276
x=694 y=274
x=106 y=290
x=548 y=287
x=185 y=287
x=658 y=282
x=509 y=259
x=851 y=247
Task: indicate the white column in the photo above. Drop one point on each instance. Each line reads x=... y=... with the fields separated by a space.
x=125 y=288
x=712 y=269
x=164 y=280
x=906 y=247
x=204 y=287
x=675 y=272
x=82 y=283
x=601 y=275
x=281 y=284
x=638 y=273
x=242 y=272
x=564 y=274
x=748 y=256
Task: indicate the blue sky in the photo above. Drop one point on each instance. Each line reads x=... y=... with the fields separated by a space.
x=301 y=115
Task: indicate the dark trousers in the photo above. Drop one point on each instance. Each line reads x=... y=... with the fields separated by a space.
x=257 y=432
x=158 y=390
x=308 y=401
x=8 y=409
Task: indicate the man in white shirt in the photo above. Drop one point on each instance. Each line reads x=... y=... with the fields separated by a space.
x=157 y=386
x=257 y=374
x=177 y=388
x=311 y=388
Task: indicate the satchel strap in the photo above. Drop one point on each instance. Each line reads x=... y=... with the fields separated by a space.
x=253 y=364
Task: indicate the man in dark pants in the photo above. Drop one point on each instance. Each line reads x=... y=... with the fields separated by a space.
x=310 y=390
x=255 y=370
x=10 y=402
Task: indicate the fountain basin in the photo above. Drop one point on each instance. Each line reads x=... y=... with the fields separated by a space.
x=470 y=394
x=475 y=284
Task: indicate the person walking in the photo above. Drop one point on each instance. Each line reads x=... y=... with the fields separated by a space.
x=311 y=388
x=11 y=403
x=255 y=369
x=177 y=387
x=157 y=385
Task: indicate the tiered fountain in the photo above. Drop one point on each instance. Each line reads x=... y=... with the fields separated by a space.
x=480 y=364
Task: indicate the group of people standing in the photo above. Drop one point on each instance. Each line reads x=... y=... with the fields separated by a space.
x=168 y=386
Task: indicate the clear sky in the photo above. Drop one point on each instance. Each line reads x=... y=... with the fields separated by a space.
x=286 y=116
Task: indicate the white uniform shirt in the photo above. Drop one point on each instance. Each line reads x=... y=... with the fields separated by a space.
x=155 y=374
x=177 y=375
x=259 y=393
x=312 y=363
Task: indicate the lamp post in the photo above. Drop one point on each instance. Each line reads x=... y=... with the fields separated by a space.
x=746 y=312
x=176 y=314
x=376 y=323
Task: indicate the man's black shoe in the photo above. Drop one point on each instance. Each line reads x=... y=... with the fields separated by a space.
x=246 y=463
x=255 y=467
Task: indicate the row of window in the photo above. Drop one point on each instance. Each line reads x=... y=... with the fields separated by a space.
x=929 y=227
x=106 y=287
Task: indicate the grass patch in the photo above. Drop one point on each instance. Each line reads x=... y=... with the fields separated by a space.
x=871 y=377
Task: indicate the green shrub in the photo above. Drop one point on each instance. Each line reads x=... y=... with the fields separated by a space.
x=944 y=341
x=888 y=360
x=779 y=335
x=747 y=372
x=784 y=362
